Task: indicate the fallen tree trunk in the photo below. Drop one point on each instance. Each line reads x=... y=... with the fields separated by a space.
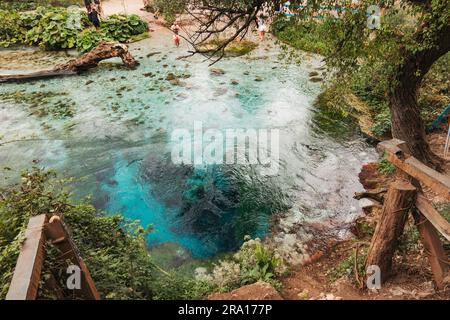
x=398 y=202
x=91 y=59
x=105 y=50
x=35 y=75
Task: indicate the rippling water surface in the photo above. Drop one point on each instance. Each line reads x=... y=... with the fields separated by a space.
x=111 y=128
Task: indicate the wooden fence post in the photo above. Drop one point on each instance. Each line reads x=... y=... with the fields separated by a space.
x=25 y=281
x=398 y=202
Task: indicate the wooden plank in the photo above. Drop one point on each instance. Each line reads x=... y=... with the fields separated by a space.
x=394 y=146
x=62 y=240
x=433 y=248
x=429 y=212
x=27 y=274
x=436 y=181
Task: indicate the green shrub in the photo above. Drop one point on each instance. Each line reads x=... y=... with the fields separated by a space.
x=57 y=28
x=121 y=27
x=26 y=5
x=308 y=35
x=177 y=287
x=385 y=166
x=347 y=266
x=409 y=240
x=53 y=28
x=169 y=9
x=89 y=39
x=12 y=30
x=253 y=262
x=382 y=124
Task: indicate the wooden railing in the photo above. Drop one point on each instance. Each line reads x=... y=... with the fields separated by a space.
x=405 y=195
x=27 y=274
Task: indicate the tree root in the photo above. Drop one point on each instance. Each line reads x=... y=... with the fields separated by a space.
x=377 y=195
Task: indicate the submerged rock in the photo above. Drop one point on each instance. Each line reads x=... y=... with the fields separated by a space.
x=220 y=92
x=217 y=71
x=316 y=79
x=170 y=77
x=152 y=54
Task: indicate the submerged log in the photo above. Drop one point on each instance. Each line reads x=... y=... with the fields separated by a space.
x=35 y=75
x=91 y=59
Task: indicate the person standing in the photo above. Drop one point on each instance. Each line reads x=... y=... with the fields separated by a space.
x=87 y=4
x=94 y=10
x=176 y=33
x=100 y=8
x=262 y=28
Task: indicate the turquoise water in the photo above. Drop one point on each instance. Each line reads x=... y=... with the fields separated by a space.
x=134 y=199
x=111 y=128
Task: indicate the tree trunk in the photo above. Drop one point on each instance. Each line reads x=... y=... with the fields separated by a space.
x=398 y=201
x=407 y=124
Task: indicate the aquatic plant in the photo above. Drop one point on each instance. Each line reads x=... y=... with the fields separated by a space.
x=43 y=104
x=234 y=49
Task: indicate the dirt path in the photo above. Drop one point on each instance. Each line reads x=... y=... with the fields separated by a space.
x=125 y=6
x=131 y=7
